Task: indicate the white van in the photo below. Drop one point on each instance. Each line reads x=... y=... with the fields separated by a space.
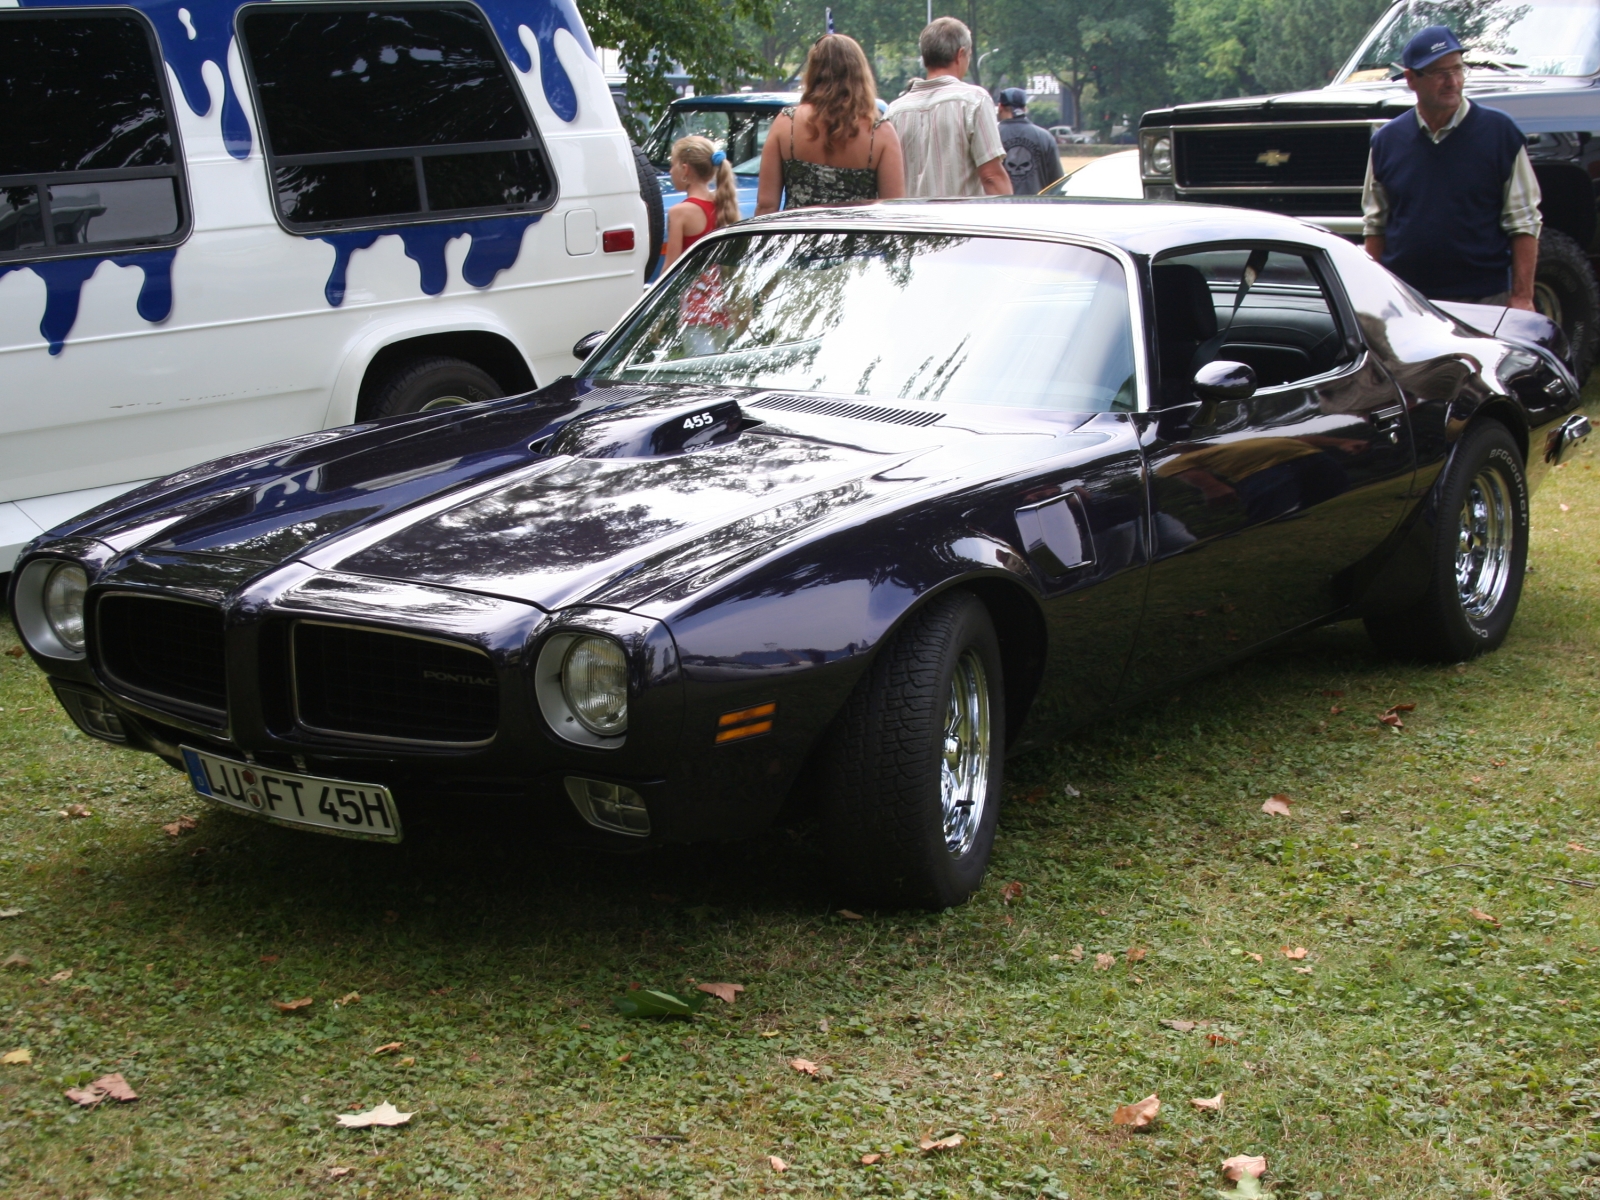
x=226 y=223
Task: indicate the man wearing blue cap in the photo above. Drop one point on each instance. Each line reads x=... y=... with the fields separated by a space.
x=1032 y=160
x=1451 y=202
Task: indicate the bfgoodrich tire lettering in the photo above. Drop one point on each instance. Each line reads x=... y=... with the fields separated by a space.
x=1478 y=556
x=434 y=382
x=911 y=769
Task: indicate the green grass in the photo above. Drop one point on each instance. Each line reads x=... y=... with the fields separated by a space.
x=1426 y=1053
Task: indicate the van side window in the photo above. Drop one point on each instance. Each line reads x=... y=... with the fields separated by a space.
x=380 y=113
x=88 y=157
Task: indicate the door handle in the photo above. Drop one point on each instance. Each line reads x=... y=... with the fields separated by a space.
x=1388 y=421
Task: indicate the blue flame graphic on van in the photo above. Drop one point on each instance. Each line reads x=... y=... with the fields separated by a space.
x=496 y=243
x=63 y=286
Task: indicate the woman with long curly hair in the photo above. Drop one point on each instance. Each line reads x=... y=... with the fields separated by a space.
x=832 y=147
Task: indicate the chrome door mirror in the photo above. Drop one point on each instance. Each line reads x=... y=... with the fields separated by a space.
x=584 y=346
x=1224 y=380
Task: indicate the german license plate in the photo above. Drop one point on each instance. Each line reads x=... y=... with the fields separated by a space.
x=364 y=810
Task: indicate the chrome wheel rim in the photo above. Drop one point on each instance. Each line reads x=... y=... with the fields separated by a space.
x=444 y=402
x=964 y=758
x=1483 y=548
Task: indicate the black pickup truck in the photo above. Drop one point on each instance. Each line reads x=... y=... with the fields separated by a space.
x=1305 y=153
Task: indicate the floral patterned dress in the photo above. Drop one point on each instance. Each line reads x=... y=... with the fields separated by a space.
x=812 y=185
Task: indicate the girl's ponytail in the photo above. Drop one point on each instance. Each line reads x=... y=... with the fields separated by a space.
x=725 y=193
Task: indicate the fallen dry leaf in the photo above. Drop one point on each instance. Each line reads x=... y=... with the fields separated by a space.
x=292 y=1005
x=1277 y=806
x=1566 y=508
x=7 y=913
x=388 y=1047
x=17 y=1058
x=407 y=1061
x=1240 y=1165
x=107 y=1087
x=1400 y=708
x=868 y=1159
x=339 y=1172
x=726 y=992
x=14 y=652
x=1302 y=970
x=772 y=1033
x=17 y=961
x=1393 y=720
x=348 y=998
x=1333 y=691
x=804 y=1065
x=850 y=916
x=1217 y=1039
x=1138 y=1114
x=931 y=1145
x=60 y=976
x=76 y=811
x=181 y=826
x=1136 y=954
x=1209 y=1104
x=776 y=1163
x=1181 y=1026
x=1252 y=954
x=1335 y=711
x=1104 y=962
x=1570 y=846
x=1077 y=953
x=1477 y=914
x=1297 y=953
x=384 y=1114
x=1011 y=891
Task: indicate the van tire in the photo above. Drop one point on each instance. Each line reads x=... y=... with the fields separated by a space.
x=1564 y=290
x=650 y=193
x=421 y=384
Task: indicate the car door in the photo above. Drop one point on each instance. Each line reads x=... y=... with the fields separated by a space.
x=1264 y=511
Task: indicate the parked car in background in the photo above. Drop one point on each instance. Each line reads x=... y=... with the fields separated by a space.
x=1116 y=176
x=1066 y=135
x=225 y=224
x=831 y=542
x=1305 y=154
x=736 y=124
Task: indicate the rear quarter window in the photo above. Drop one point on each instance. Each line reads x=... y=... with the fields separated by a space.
x=88 y=154
x=379 y=114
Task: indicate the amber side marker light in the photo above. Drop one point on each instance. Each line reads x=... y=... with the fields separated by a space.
x=745 y=723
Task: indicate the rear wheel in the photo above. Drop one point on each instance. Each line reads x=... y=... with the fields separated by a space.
x=425 y=384
x=911 y=769
x=650 y=193
x=1564 y=290
x=1479 y=555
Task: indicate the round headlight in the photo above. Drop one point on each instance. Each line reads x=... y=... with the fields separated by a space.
x=63 y=604
x=594 y=679
x=1161 y=156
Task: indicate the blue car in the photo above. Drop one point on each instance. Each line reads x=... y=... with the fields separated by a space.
x=737 y=124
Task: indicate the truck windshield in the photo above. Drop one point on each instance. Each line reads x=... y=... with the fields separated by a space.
x=927 y=318
x=1528 y=37
x=740 y=132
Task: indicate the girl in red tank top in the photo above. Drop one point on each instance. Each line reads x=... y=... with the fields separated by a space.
x=711 y=200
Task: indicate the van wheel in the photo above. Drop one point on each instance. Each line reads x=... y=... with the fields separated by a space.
x=650 y=193
x=1479 y=555
x=424 y=384
x=1564 y=290
x=911 y=768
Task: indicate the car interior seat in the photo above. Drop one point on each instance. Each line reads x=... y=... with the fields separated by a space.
x=1186 y=320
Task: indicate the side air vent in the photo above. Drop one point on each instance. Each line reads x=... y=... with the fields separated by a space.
x=842 y=408
x=170 y=651
x=393 y=687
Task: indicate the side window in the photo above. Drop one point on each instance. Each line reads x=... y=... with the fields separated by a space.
x=88 y=156
x=1252 y=304
x=379 y=113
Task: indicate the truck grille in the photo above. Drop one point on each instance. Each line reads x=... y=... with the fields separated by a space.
x=167 y=649
x=1261 y=156
x=1292 y=204
x=393 y=686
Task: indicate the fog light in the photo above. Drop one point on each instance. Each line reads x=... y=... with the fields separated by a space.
x=609 y=806
x=93 y=713
x=63 y=604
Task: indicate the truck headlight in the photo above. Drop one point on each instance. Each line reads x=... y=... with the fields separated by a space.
x=63 y=604
x=1158 y=155
x=594 y=679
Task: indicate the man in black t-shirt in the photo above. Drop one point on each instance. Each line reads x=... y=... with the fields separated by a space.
x=1032 y=160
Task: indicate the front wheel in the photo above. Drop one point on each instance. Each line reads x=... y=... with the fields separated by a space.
x=425 y=384
x=1479 y=555
x=911 y=769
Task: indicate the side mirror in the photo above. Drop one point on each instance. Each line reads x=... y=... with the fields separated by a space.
x=1223 y=380
x=584 y=346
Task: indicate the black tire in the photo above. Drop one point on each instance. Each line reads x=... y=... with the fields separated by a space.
x=1443 y=626
x=1564 y=290
x=882 y=816
x=433 y=382
x=650 y=193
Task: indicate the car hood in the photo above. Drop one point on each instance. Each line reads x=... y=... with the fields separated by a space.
x=568 y=496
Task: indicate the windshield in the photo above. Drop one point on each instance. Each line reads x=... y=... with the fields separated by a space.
x=1530 y=37
x=741 y=133
x=930 y=318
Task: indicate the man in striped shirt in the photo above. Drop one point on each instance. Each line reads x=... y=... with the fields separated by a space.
x=948 y=129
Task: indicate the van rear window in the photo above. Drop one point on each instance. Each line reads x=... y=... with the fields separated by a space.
x=87 y=153
x=378 y=113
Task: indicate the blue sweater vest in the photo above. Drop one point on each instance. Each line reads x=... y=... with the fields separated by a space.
x=1445 y=199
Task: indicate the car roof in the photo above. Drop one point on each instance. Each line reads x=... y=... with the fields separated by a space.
x=1137 y=226
x=739 y=100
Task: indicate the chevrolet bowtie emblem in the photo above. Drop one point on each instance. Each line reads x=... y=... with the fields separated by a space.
x=1273 y=158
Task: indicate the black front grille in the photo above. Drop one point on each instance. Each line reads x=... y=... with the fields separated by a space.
x=1335 y=156
x=385 y=685
x=167 y=649
x=1293 y=204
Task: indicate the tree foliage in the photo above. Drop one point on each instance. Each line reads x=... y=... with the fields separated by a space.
x=652 y=37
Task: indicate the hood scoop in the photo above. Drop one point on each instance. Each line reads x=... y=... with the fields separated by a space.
x=844 y=408
x=651 y=430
